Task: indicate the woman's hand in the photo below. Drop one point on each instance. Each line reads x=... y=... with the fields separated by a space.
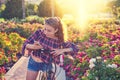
x=57 y=52
x=34 y=46
x=36 y=43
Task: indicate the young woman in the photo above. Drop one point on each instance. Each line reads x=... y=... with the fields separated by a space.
x=51 y=38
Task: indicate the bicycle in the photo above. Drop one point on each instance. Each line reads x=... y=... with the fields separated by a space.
x=48 y=75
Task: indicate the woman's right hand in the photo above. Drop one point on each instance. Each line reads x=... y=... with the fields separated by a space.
x=36 y=43
x=33 y=46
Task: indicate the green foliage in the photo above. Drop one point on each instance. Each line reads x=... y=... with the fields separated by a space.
x=2 y=7
x=16 y=41
x=35 y=19
x=17 y=20
x=2 y=20
x=94 y=51
x=3 y=36
x=20 y=30
x=45 y=9
x=10 y=45
x=117 y=59
x=31 y=9
x=118 y=11
x=13 y=9
x=114 y=5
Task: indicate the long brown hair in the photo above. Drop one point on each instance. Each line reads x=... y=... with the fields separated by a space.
x=56 y=23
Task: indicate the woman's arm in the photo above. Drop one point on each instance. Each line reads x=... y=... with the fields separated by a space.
x=30 y=47
x=70 y=48
x=30 y=41
x=33 y=46
x=67 y=49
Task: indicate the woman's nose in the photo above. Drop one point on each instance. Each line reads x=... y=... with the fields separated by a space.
x=45 y=32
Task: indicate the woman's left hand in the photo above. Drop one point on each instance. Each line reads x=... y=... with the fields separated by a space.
x=57 y=52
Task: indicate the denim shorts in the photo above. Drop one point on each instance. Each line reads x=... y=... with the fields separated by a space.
x=38 y=66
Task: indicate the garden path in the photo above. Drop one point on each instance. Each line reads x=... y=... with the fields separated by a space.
x=18 y=71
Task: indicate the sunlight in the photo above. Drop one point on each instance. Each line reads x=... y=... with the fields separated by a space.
x=83 y=9
x=87 y=8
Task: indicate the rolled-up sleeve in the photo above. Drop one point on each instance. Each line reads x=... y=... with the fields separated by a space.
x=30 y=40
x=73 y=46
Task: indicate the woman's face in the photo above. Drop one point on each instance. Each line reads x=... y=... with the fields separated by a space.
x=49 y=31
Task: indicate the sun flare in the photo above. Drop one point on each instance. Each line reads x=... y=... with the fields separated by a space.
x=88 y=7
x=83 y=9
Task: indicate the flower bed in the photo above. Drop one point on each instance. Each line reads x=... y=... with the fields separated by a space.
x=10 y=46
x=101 y=44
x=102 y=41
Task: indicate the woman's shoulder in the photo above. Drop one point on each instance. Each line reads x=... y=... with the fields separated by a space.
x=39 y=31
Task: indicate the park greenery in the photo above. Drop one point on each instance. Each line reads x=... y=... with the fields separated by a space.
x=99 y=43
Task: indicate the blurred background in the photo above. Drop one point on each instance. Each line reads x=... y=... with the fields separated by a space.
x=93 y=25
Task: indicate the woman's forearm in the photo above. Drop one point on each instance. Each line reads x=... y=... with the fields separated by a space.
x=33 y=47
x=68 y=49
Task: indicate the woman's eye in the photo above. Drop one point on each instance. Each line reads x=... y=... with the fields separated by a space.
x=49 y=30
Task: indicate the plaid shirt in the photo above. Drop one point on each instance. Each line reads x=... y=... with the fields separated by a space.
x=49 y=43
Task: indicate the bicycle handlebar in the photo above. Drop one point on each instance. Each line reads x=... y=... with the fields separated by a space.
x=41 y=51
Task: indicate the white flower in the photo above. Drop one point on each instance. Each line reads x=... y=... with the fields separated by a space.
x=96 y=78
x=108 y=65
x=98 y=57
x=105 y=60
x=91 y=65
x=92 y=60
x=112 y=66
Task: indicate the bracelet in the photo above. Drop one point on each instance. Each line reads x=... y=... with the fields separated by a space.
x=71 y=49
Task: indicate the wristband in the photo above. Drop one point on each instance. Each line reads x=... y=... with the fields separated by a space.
x=71 y=49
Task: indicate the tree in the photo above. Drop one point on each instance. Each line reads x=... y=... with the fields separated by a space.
x=31 y=9
x=117 y=3
x=13 y=9
x=114 y=5
x=23 y=8
x=45 y=9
